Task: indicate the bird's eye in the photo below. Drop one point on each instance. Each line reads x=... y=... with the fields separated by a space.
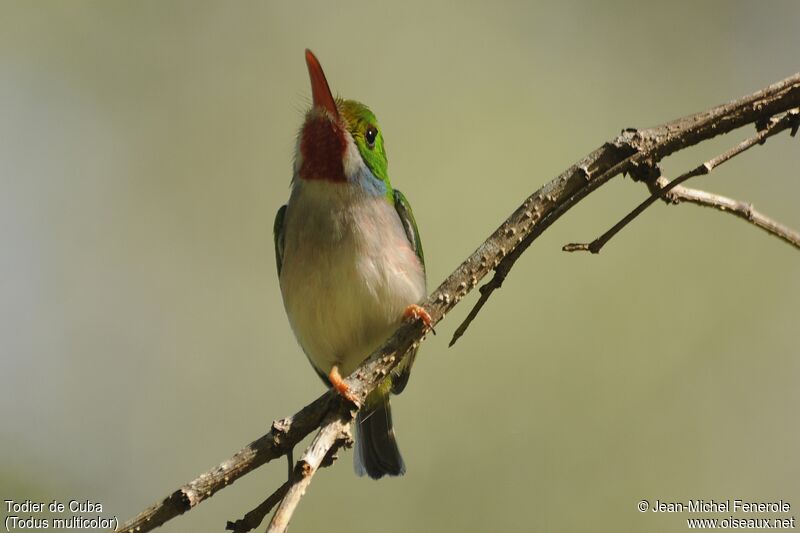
x=370 y=135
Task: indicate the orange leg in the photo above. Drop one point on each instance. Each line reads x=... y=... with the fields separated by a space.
x=341 y=387
x=417 y=312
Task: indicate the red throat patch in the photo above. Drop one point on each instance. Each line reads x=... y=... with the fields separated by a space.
x=322 y=147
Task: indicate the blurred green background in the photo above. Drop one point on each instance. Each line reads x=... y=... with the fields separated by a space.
x=145 y=147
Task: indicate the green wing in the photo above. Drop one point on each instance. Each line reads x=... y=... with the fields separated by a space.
x=277 y=232
x=403 y=208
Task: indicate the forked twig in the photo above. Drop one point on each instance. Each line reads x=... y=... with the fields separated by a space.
x=776 y=125
x=335 y=432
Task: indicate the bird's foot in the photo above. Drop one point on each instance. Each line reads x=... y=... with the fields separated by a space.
x=417 y=312
x=341 y=387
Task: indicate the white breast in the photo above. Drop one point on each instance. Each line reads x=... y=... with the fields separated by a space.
x=348 y=272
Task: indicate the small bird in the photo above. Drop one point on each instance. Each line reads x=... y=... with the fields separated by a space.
x=349 y=259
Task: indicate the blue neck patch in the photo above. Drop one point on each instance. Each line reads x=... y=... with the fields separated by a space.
x=368 y=181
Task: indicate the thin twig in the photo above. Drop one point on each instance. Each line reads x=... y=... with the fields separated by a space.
x=737 y=208
x=334 y=432
x=787 y=120
x=254 y=518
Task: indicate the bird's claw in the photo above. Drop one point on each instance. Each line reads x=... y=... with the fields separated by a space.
x=417 y=312
x=341 y=387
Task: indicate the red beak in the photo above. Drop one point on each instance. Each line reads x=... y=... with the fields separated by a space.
x=319 y=85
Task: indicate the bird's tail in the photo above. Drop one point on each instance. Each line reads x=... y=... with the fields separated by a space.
x=376 y=452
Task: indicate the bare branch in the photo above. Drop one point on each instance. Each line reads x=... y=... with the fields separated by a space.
x=335 y=432
x=776 y=125
x=281 y=438
x=254 y=518
x=631 y=150
x=740 y=209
